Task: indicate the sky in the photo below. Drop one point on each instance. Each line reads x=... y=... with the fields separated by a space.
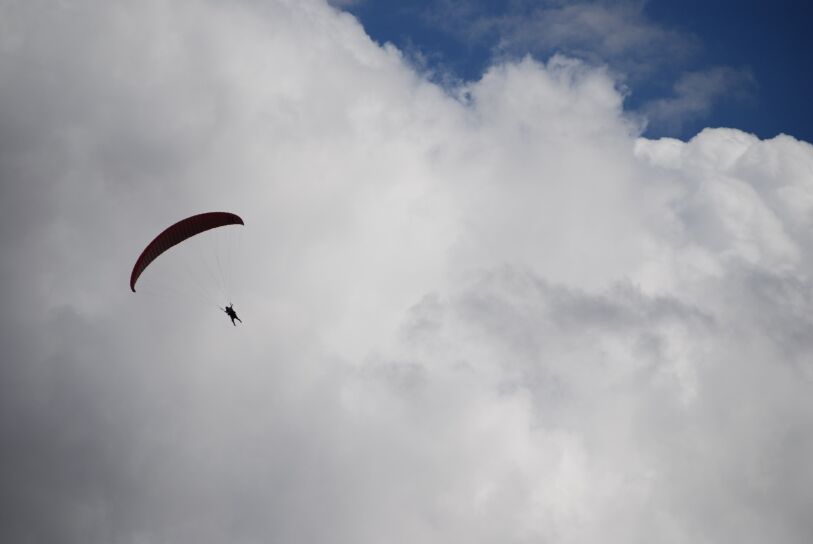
x=686 y=65
x=484 y=298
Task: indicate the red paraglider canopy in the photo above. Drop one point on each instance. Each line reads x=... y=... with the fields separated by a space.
x=177 y=233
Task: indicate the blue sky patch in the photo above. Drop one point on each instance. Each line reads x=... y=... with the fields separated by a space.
x=685 y=65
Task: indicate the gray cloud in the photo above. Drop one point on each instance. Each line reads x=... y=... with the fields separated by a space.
x=499 y=316
x=345 y=3
x=617 y=33
x=695 y=94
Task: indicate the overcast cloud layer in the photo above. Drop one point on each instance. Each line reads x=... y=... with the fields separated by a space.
x=493 y=317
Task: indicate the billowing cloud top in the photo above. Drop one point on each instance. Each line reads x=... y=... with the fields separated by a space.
x=492 y=315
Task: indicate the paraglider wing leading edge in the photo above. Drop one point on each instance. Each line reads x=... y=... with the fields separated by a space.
x=177 y=233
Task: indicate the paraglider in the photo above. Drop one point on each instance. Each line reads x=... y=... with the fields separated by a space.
x=232 y=314
x=177 y=234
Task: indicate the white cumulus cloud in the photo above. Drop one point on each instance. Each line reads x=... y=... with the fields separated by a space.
x=490 y=315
